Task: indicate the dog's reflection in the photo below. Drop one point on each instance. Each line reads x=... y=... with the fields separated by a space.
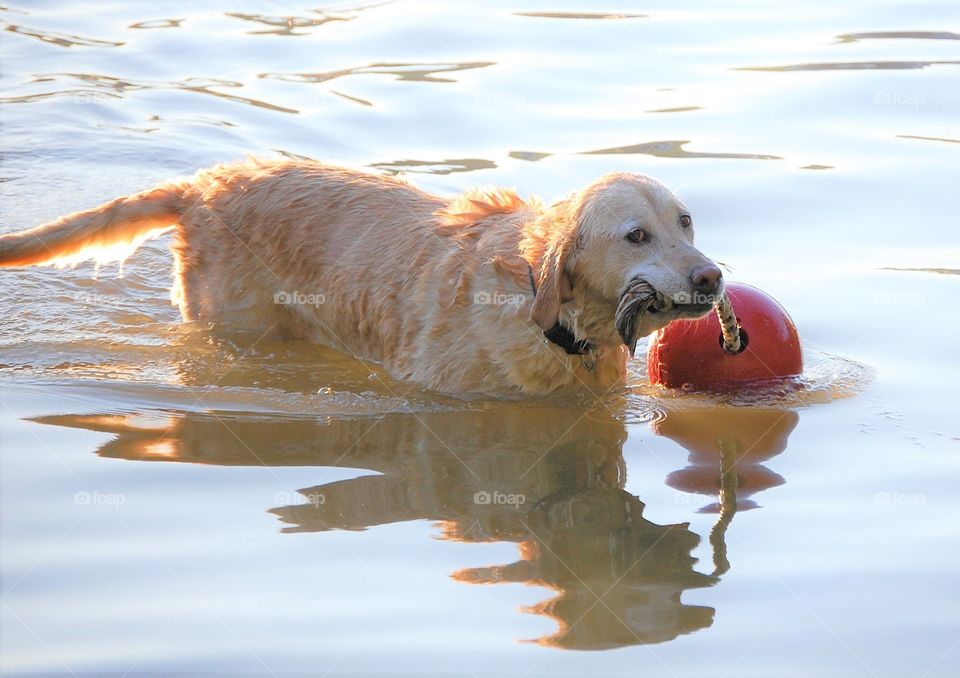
x=549 y=479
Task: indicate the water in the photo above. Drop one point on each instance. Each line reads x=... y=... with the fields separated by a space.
x=173 y=502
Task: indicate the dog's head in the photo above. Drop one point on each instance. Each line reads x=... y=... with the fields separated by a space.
x=623 y=236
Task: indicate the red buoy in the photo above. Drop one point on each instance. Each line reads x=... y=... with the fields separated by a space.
x=690 y=352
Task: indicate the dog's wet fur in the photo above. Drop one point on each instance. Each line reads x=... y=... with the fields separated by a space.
x=437 y=290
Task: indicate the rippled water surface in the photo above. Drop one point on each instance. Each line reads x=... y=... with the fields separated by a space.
x=173 y=502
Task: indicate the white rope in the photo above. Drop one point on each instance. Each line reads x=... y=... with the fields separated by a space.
x=729 y=327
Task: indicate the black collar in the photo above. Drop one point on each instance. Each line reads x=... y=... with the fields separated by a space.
x=559 y=334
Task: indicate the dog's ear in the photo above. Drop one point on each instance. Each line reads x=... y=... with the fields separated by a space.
x=553 y=286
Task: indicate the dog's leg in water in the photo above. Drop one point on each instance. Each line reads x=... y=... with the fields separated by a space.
x=634 y=302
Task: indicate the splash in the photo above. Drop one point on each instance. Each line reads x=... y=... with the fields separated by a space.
x=116 y=252
x=825 y=378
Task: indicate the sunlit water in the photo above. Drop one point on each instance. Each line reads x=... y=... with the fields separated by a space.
x=173 y=502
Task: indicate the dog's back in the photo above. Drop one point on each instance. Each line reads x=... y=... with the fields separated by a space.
x=256 y=237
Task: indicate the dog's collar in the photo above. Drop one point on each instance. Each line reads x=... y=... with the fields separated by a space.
x=559 y=334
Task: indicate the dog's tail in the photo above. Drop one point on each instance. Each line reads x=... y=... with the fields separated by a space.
x=109 y=232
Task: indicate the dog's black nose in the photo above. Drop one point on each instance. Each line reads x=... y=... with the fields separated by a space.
x=706 y=279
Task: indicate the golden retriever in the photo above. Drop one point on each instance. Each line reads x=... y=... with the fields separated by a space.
x=481 y=293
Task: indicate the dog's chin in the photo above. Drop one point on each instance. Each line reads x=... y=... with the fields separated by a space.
x=655 y=319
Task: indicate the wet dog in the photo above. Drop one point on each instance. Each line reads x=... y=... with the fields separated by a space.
x=481 y=293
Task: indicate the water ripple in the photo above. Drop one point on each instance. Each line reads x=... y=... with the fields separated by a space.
x=849 y=66
x=898 y=35
x=115 y=87
x=581 y=15
x=157 y=23
x=420 y=72
x=436 y=166
x=825 y=378
x=61 y=39
x=922 y=138
x=287 y=25
x=674 y=149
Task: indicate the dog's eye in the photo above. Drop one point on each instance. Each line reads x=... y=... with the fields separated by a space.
x=686 y=221
x=638 y=235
